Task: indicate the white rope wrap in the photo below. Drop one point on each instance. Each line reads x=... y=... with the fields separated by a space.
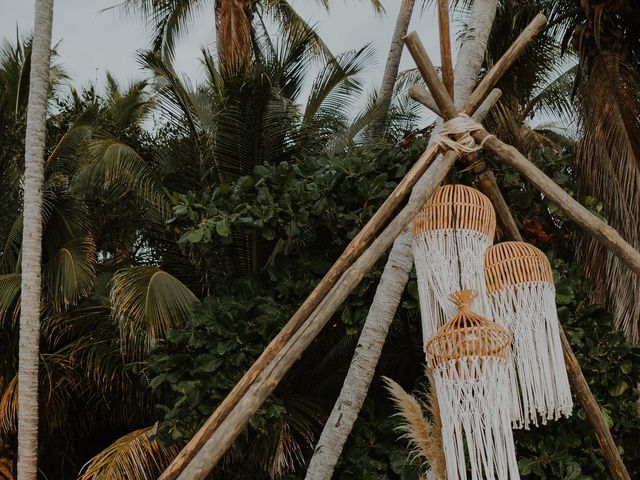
x=436 y=260
x=473 y=396
x=456 y=135
x=528 y=311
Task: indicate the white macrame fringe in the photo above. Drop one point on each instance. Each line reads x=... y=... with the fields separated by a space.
x=529 y=312
x=473 y=395
x=436 y=260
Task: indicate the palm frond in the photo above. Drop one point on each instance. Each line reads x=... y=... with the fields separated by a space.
x=116 y=168
x=9 y=409
x=147 y=302
x=70 y=273
x=10 y=285
x=135 y=456
x=608 y=167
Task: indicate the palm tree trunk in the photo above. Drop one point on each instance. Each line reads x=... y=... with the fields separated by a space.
x=392 y=283
x=32 y=243
x=393 y=63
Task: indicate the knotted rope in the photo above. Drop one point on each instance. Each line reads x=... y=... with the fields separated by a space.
x=456 y=135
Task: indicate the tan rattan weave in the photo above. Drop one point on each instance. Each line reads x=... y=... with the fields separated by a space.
x=467 y=335
x=512 y=263
x=473 y=211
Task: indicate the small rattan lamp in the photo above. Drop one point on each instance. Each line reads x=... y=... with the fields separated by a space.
x=470 y=357
x=450 y=236
x=522 y=296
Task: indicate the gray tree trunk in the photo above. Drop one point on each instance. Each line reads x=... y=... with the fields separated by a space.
x=28 y=355
x=393 y=280
x=392 y=66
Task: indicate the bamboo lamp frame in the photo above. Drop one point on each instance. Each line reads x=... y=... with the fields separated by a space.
x=473 y=211
x=513 y=263
x=467 y=335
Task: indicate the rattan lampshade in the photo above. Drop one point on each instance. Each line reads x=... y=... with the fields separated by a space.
x=470 y=358
x=522 y=296
x=450 y=235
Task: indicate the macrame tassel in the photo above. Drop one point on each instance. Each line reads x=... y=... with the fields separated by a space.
x=451 y=234
x=470 y=357
x=522 y=296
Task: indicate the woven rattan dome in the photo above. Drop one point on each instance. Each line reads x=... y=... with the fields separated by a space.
x=473 y=211
x=467 y=335
x=512 y=263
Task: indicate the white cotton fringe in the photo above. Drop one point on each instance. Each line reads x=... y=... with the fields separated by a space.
x=528 y=311
x=473 y=395
x=436 y=259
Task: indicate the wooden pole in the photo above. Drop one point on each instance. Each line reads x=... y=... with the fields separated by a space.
x=422 y=95
x=235 y=422
x=353 y=250
x=446 y=63
x=581 y=390
x=606 y=234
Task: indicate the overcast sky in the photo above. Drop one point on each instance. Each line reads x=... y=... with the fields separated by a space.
x=92 y=41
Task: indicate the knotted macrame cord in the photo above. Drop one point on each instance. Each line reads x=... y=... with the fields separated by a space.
x=456 y=135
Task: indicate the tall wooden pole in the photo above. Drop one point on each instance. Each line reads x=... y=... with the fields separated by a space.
x=446 y=62
x=603 y=232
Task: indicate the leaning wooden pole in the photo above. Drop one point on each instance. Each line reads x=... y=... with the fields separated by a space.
x=577 y=213
x=235 y=422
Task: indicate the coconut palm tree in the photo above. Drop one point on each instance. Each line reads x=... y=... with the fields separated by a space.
x=606 y=37
x=32 y=242
x=233 y=21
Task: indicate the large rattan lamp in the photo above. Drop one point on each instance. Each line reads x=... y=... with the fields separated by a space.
x=522 y=296
x=450 y=236
x=469 y=358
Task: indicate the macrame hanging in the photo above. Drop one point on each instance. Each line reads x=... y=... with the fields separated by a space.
x=469 y=357
x=450 y=236
x=522 y=296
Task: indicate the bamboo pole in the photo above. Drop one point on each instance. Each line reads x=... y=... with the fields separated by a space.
x=222 y=438
x=353 y=250
x=446 y=63
x=422 y=95
x=588 y=221
x=606 y=234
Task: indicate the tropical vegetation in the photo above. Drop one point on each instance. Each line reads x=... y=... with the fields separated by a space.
x=183 y=224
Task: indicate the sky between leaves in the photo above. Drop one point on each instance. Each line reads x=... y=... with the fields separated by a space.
x=93 y=41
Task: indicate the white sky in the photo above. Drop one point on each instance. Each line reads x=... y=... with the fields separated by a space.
x=92 y=42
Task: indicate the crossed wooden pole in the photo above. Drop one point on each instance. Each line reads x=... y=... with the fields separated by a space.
x=231 y=417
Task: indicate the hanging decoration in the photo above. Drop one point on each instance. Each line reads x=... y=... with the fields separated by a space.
x=469 y=357
x=522 y=296
x=450 y=236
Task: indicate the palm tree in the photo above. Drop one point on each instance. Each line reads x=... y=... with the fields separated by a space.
x=32 y=243
x=233 y=21
x=606 y=37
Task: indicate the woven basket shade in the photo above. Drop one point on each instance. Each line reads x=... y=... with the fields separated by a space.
x=522 y=296
x=467 y=335
x=450 y=235
x=511 y=263
x=469 y=357
x=473 y=211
